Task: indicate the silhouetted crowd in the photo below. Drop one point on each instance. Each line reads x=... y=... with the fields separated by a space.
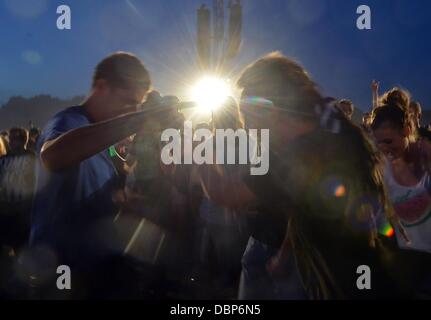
x=90 y=191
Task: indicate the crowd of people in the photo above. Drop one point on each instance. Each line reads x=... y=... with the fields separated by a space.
x=17 y=161
x=90 y=191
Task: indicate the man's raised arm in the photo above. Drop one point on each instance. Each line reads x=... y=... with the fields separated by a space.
x=81 y=143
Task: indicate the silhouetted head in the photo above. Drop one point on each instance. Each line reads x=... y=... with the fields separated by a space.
x=277 y=93
x=347 y=107
x=366 y=119
x=18 y=138
x=396 y=96
x=120 y=83
x=415 y=111
x=33 y=135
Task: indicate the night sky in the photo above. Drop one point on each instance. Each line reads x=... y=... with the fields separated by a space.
x=36 y=57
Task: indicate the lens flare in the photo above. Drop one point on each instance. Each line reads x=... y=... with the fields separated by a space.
x=210 y=93
x=340 y=191
x=387 y=230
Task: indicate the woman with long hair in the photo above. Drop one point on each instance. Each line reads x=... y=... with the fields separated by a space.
x=324 y=186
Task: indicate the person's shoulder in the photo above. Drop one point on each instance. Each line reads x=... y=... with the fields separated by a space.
x=61 y=122
x=68 y=118
x=312 y=141
x=74 y=112
x=309 y=152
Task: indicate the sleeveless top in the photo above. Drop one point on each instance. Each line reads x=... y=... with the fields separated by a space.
x=412 y=205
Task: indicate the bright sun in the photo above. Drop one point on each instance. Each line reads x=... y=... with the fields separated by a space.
x=210 y=93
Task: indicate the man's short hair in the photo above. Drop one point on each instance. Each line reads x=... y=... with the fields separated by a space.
x=123 y=70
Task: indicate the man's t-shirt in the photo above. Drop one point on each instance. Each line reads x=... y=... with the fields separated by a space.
x=73 y=210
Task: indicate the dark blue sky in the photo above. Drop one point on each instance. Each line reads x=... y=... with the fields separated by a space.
x=36 y=57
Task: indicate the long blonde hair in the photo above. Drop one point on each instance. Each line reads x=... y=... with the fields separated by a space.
x=283 y=81
x=287 y=84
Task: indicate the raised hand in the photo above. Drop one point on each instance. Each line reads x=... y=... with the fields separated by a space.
x=374 y=86
x=375 y=93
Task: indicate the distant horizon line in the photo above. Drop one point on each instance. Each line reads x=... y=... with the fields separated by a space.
x=3 y=101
